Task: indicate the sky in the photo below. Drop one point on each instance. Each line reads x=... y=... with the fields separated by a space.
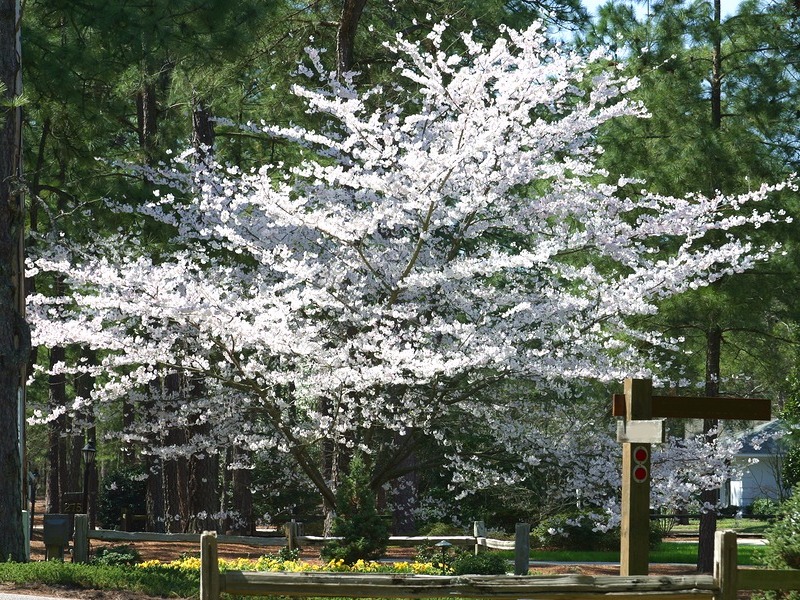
x=728 y=6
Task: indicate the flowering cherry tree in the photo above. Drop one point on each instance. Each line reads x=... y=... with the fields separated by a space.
x=438 y=240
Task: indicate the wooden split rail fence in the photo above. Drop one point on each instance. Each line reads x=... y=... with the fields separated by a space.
x=727 y=580
x=479 y=541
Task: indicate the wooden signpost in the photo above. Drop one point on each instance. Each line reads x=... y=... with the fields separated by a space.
x=642 y=426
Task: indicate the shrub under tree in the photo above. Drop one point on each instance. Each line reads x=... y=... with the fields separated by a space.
x=363 y=531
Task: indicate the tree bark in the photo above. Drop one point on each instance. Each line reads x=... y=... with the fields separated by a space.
x=242 y=498
x=202 y=129
x=708 y=518
x=14 y=335
x=203 y=477
x=55 y=435
x=404 y=497
x=346 y=34
x=176 y=499
x=83 y=388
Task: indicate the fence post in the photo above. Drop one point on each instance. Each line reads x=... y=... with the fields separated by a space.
x=522 y=549
x=80 y=539
x=726 y=559
x=209 y=566
x=291 y=535
x=26 y=533
x=479 y=531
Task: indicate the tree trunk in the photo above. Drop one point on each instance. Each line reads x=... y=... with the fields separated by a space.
x=404 y=496
x=83 y=388
x=75 y=442
x=175 y=471
x=242 y=498
x=55 y=435
x=708 y=518
x=14 y=335
x=203 y=477
x=202 y=129
x=155 y=494
x=716 y=68
x=346 y=34
x=203 y=496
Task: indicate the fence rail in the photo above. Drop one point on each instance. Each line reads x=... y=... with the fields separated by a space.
x=727 y=580
x=83 y=535
x=387 y=585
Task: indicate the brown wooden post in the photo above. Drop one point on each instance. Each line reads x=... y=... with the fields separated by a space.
x=291 y=531
x=726 y=559
x=479 y=531
x=209 y=566
x=80 y=539
x=522 y=549
x=635 y=527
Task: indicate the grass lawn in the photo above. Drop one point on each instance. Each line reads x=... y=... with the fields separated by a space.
x=152 y=582
x=666 y=552
x=737 y=525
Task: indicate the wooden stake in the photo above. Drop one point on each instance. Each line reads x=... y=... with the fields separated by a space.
x=209 y=566
x=80 y=539
x=522 y=549
x=726 y=560
x=635 y=527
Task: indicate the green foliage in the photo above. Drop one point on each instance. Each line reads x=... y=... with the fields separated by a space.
x=666 y=552
x=123 y=490
x=790 y=415
x=364 y=533
x=285 y=554
x=570 y=532
x=783 y=549
x=485 y=563
x=440 y=529
x=765 y=507
x=124 y=554
x=159 y=582
x=578 y=532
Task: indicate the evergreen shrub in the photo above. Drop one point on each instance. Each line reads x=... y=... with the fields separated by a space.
x=484 y=563
x=117 y=555
x=364 y=532
x=123 y=490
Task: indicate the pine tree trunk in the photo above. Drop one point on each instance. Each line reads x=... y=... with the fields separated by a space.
x=708 y=518
x=83 y=388
x=346 y=34
x=175 y=492
x=203 y=477
x=14 y=336
x=404 y=495
x=55 y=436
x=242 y=497
x=155 y=494
x=203 y=496
x=75 y=443
x=176 y=478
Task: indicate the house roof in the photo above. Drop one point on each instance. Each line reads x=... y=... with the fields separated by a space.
x=763 y=440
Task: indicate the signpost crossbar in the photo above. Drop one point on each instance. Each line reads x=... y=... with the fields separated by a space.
x=699 y=407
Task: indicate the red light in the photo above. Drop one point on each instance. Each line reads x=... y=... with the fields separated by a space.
x=640 y=454
x=639 y=474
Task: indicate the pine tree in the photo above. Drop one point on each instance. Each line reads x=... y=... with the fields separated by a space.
x=364 y=533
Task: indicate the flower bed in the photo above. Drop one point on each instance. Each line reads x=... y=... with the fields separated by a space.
x=191 y=564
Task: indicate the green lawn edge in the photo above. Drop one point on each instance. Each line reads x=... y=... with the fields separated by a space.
x=666 y=552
